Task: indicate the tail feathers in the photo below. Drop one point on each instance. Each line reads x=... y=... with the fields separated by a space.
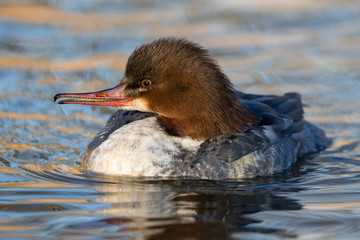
x=313 y=140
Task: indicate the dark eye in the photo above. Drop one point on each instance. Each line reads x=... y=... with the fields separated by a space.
x=146 y=83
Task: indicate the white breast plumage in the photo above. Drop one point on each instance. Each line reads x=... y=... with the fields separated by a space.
x=140 y=148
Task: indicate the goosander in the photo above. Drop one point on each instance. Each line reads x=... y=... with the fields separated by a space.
x=181 y=117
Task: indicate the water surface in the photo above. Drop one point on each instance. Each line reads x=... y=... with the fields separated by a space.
x=47 y=47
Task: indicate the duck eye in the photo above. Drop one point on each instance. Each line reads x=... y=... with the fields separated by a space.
x=146 y=83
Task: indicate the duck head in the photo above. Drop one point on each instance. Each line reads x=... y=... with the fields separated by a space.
x=178 y=80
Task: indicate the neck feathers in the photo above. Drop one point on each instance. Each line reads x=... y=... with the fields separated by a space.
x=222 y=117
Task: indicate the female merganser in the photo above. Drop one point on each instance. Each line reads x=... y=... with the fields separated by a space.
x=181 y=117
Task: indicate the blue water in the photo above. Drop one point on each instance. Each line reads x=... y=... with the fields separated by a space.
x=271 y=47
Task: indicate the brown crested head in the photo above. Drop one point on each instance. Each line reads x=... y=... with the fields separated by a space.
x=178 y=80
